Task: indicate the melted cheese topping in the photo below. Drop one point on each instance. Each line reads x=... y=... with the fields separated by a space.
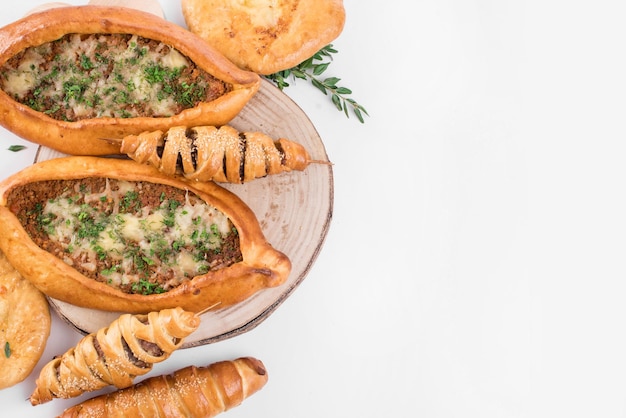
x=104 y=76
x=170 y=239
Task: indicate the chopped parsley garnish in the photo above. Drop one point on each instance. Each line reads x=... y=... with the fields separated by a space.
x=144 y=287
x=126 y=76
x=126 y=242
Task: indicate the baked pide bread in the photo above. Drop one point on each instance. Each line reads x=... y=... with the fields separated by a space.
x=115 y=355
x=114 y=235
x=266 y=36
x=24 y=325
x=72 y=75
x=193 y=392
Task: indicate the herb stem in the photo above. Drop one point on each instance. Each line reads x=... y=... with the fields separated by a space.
x=311 y=69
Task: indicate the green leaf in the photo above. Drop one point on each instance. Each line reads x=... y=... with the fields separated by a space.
x=362 y=109
x=320 y=68
x=332 y=81
x=337 y=101
x=327 y=51
x=16 y=148
x=319 y=85
x=299 y=74
x=318 y=56
x=7 y=349
x=306 y=64
x=358 y=114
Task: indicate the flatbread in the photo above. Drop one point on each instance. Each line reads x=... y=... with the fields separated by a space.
x=265 y=36
x=24 y=325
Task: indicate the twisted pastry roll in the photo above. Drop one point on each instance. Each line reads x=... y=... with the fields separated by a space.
x=221 y=154
x=190 y=392
x=115 y=355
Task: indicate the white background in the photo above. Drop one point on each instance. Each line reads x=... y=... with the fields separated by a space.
x=475 y=262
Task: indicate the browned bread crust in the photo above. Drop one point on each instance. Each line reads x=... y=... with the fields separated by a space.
x=266 y=36
x=24 y=325
x=208 y=153
x=262 y=265
x=114 y=355
x=81 y=137
x=191 y=391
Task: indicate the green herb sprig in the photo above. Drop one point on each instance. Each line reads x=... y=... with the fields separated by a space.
x=312 y=69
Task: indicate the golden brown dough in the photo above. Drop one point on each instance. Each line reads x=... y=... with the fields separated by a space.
x=223 y=154
x=266 y=36
x=115 y=355
x=24 y=325
x=262 y=266
x=193 y=392
x=81 y=137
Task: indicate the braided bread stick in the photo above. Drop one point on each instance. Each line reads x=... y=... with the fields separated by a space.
x=115 y=355
x=221 y=154
x=190 y=392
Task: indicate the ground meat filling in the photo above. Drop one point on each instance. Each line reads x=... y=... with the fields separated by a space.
x=139 y=237
x=149 y=347
x=107 y=75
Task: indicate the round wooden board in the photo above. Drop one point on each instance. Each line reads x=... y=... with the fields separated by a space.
x=294 y=210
